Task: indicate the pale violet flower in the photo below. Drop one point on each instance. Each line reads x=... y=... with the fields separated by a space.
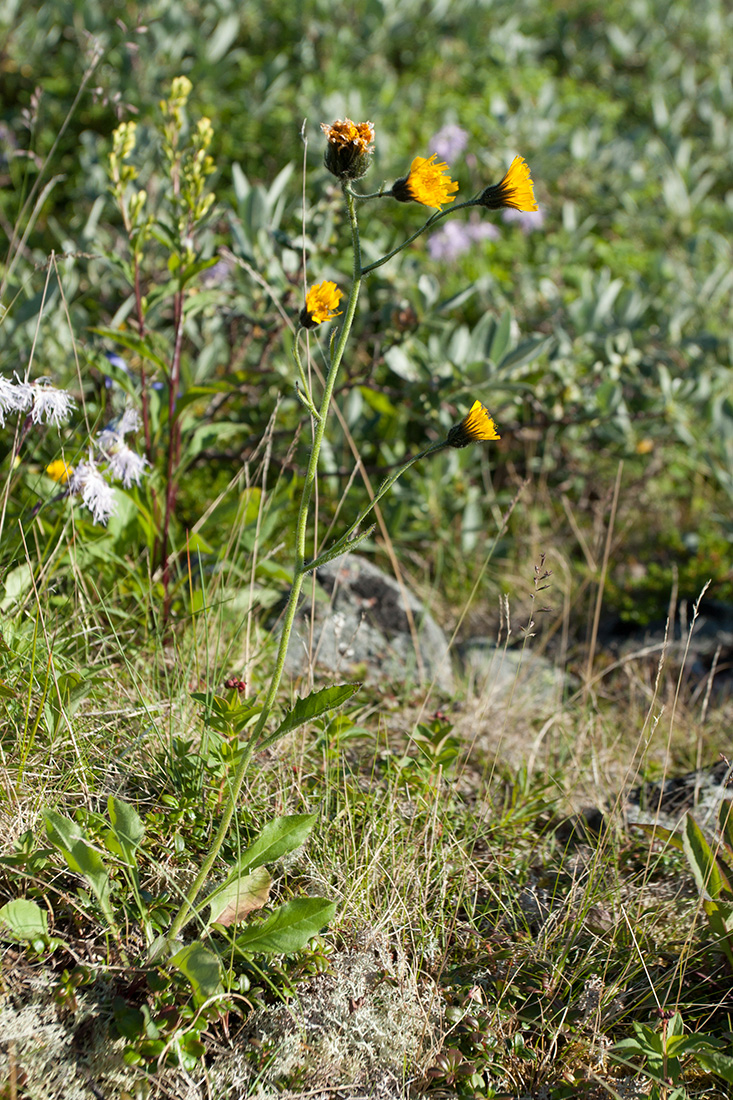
x=97 y=495
x=55 y=405
x=449 y=142
x=117 y=361
x=125 y=465
x=455 y=238
x=449 y=242
x=527 y=220
x=483 y=231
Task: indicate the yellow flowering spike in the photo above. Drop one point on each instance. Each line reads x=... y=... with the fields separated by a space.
x=426 y=183
x=348 y=149
x=321 y=304
x=476 y=426
x=515 y=190
x=59 y=470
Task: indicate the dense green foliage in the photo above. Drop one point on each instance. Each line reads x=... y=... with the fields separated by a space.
x=602 y=335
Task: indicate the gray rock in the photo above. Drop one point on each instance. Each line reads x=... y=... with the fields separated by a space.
x=361 y=628
x=700 y=792
x=515 y=676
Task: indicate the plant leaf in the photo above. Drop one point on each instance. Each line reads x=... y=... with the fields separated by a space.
x=312 y=706
x=201 y=967
x=127 y=828
x=725 y=820
x=722 y=1064
x=81 y=857
x=708 y=875
x=25 y=919
x=240 y=897
x=278 y=838
x=289 y=928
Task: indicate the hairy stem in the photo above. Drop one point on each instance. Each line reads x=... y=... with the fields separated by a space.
x=299 y=572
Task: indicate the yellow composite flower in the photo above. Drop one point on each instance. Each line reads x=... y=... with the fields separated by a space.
x=348 y=149
x=321 y=304
x=59 y=470
x=515 y=190
x=476 y=426
x=427 y=183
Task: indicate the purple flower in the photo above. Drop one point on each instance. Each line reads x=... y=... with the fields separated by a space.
x=527 y=220
x=220 y=271
x=455 y=238
x=482 y=231
x=450 y=241
x=117 y=361
x=449 y=142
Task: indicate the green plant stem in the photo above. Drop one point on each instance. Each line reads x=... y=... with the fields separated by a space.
x=428 y=225
x=341 y=546
x=299 y=573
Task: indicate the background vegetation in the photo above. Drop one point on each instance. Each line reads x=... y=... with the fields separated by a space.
x=599 y=337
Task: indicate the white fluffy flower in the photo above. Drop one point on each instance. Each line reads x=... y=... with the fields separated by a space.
x=14 y=397
x=125 y=465
x=115 y=432
x=129 y=421
x=55 y=405
x=97 y=495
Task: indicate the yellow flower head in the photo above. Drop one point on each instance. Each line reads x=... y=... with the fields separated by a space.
x=348 y=148
x=476 y=426
x=59 y=470
x=321 y=304
x=515 y=190
x=426 y=183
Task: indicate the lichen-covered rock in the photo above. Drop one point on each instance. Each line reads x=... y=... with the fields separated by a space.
x=362 y=627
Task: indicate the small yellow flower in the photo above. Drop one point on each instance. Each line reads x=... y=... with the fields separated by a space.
x=349 y=145
x=476 y=426
x=515 y=190
x=321 y=304
x=645 y=446
x=59 y=470
x=426 y=183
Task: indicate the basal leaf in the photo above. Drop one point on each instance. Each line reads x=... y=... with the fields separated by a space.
x=126 y=826
x=289 y=928
x=25 y=919
x=201 y=967
x=708 y=876
x=239 y=897
x=722 y=1064
x=81 y=857
x=278 y=838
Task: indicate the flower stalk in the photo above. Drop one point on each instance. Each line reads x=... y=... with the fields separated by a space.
x=347 y=156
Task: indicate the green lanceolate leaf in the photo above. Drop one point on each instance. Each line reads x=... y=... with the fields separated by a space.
x=81 y=857
x=725 y=820
x=127 y=830
x=278 y=838
x=289 y=928
x=201 y=967
x=313 y=706
x=708 y=875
